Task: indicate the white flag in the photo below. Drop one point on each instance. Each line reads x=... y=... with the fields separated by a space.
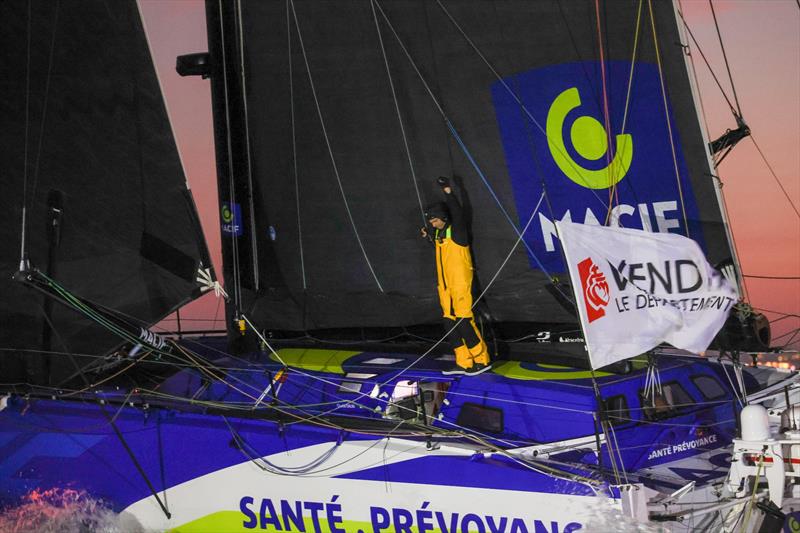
x=635 y=289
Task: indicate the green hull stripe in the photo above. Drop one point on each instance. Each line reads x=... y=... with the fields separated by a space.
x=233 y=521
x=314 y=359
x=514 y=370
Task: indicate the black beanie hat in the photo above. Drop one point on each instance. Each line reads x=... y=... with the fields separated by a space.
x=437 y=210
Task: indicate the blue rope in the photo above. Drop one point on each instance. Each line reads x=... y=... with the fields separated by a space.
x=491 y=191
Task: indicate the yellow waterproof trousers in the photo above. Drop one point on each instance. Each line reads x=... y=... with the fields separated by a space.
x=454 y=275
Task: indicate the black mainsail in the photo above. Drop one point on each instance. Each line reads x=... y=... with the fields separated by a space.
x=346 y=111
x=89 y=153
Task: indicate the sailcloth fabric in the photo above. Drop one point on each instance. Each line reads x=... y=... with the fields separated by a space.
x=635 y=289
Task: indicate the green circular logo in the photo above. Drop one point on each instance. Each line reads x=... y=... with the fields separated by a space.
x=589 y=139
x=227 y=215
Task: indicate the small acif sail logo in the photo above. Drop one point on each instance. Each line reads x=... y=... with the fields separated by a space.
x=595 y=289
x=227 y=215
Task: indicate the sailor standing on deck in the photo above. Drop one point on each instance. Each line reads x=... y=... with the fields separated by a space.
x=449 y=235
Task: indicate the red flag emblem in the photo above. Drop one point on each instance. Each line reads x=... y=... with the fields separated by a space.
x=595 y=289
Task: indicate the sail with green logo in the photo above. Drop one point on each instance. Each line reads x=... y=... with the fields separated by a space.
x=352 y=109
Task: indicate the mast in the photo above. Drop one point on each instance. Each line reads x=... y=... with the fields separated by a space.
x=234 y=186
x=709 y=156
x=244 y=255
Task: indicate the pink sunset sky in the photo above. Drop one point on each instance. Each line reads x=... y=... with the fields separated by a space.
x=762 y=42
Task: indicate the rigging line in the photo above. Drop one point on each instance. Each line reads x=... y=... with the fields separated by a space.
x=413 y=64
x=237 y=282
x=330 y=149
x=386 y=437
x=774 y=175
x=423 y=355
x=454 y=132
x=502 y=209
x=526 y=404
x=108 y=378
x=733 y=242
x=294 y=148
x=675 y=424
x=306 y=472
x=77 y=304
x=581 y=61
x=399 y=116
x=790 y=332
x=216 y=313
x=781 y=318
x=725 y=57
x=604 y=89
x=276 y=469
x=241 y=444
x=508 y=255
x=782 y=335
x=63 y=344
x=22 y=265
x=666 y=116
x=694 y=404
x=733 y=388
x=354 y=401
x=782 y=313
x=210 y=370
x=710 y=70
x=250 y=195
x=138 y=466
x=605 y=425
x=577 y=169
x=791 y=339
x=770 y=277
x=619 y=453
x=538 y=466
x=488 y=285
x=615 y=187
x=253 y=387
x=45 y=101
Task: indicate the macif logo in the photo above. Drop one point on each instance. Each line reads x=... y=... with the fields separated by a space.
x=560 y=136
x=589 y=139
x=231 y=217
x=595 y=289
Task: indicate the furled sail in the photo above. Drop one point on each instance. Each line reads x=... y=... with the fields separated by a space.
x=88 y=151
x=351 y=109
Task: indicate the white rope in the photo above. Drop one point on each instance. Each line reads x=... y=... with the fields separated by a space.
x=516 y=98
x=294 y=148
x=208 y=283
x=733 y=387
x=22 y=260
x=250 y=197
x=399 y=116
x=615 y=448
x=330 y=150
x=231 y=189
x=456 y=136
x=508 y=255
x=424 y=354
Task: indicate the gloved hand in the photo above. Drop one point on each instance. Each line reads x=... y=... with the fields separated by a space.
x=442 y=182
